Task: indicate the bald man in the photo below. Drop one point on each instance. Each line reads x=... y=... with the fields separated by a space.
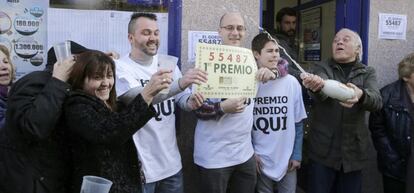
x=223 y=148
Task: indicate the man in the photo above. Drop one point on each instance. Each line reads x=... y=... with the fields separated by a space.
x=277 y=123
x=156 y=142
x=286 y=35
x=338 y=139
x=223 y=150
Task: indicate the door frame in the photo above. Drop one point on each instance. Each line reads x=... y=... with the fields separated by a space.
x=352 y=14
x=174 y=28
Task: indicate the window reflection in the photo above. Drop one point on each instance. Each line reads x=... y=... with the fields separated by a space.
x=158 y=6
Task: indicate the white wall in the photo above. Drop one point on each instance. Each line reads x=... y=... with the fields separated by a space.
x=205 y=16
x=385 y=55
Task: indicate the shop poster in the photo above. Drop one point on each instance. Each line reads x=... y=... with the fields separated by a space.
x=23 y=30
x=311 y=34
x=392 y=26
x=194 y=37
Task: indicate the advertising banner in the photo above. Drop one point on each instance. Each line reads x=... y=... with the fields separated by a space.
x=23 y=30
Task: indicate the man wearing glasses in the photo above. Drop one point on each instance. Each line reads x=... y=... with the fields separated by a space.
x=223 y=148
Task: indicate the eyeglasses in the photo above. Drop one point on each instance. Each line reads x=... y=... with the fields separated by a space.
x=239 y=28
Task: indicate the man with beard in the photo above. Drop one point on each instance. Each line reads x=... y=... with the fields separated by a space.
x=156 y=142
x=286 y=36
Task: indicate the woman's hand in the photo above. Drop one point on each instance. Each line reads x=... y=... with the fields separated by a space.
x=114 y=55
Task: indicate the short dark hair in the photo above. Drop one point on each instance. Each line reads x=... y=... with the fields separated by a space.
x=285 y=11
x=260 y=41
x=135 y=16
x=87 y=65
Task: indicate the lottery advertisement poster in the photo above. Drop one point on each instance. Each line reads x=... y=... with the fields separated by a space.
x=23 y=31
x=392 y=26
x=231 y=71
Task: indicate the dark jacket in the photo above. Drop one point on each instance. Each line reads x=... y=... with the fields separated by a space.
x=391 y=130
x=3 y=108
x=32 y=153
x=101 y=140
x=291 y=47
x=339 y=136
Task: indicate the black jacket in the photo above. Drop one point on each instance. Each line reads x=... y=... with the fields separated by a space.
x=101 y=140
x=32 y=150
x=391 y=130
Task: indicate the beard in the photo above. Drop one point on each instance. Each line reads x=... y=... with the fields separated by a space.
x=149 y=51
x=291 y=33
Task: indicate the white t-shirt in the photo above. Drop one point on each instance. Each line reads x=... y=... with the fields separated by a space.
x=224 y=142
x=156 y=142
x=278 y=106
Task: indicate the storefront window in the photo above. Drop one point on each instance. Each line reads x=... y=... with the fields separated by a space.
x=159 y=6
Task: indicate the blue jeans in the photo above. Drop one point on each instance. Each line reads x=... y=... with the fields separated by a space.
x=172 y=184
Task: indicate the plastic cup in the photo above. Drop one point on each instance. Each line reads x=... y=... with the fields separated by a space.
x=95 y=184
x=167 y=62
x=62 y=51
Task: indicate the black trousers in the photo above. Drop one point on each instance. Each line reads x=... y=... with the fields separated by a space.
x=392 y=185
x=323 y=179
x=240 y=178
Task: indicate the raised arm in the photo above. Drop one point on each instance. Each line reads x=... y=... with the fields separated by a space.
x=36 y=100
x=102 y=127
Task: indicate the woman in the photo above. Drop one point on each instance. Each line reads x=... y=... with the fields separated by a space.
x=6 y=78
x=101 y=132
x=392 y=130
x=32 y=152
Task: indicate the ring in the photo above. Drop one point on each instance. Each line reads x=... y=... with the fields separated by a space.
x=164 y=80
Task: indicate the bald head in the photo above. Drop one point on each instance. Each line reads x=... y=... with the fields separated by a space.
x=232 y=29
